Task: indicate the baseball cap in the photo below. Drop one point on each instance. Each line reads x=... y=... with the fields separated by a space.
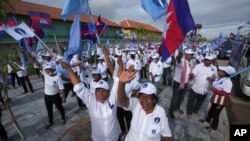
x=147 y=88
x=96 y=70
x=209 y=57
x=48 y=66
x=189 y=51
x=156 y=55
x=102 y=84
x=228 y=69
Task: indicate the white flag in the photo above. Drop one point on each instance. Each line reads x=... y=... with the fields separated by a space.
x=20 y=31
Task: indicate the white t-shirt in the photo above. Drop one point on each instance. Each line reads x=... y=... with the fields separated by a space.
x=156 y=69
x=147 y=127
x=137 y=66
x=104 y=124
x=52 y=84
x=103 y=68
x=167 y=62
x=201 y=73
x=178 y=70
x=226 y=85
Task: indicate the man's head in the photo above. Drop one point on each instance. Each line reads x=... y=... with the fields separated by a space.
x=49 y=68
x=189 y=54
x=156 y=57
x=102 y=91
x=96 y=73
x=208 y=60
x=147 y=97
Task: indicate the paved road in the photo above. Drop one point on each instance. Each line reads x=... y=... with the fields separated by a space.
x=31 y=115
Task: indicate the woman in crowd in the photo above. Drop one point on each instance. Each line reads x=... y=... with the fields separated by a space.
x=221 y=88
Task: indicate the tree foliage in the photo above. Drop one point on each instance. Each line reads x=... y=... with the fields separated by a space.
x=5 y=8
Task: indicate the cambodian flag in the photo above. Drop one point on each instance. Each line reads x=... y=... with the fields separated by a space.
x=88 y=31
x=40 y=20
x=10 y=22
x=179 y=22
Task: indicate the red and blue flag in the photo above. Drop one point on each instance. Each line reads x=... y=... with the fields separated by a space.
x=180 y=22
x=88 y=31
x=40 y=20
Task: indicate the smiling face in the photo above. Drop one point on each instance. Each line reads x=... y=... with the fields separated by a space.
x=147 y=102
x=101 y=94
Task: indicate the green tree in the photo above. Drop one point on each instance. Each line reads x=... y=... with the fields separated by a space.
x=5 y=8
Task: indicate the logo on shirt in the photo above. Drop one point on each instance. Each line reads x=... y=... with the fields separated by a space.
x=144 y=85
x=111 y=106
x=153 y=131
x=157 y=120
x=100 y=82
x=54 y=82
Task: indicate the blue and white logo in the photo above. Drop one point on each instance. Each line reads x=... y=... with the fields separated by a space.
x=160 y=3
x=101 y=82
x=153 y=132
x=20 y=31
x=144 y=85
x=157 y=120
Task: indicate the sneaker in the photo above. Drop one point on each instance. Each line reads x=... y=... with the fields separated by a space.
x=48 y=125
x=209 y=129
x=203 y=122
x=64 y=121
x=179 y=111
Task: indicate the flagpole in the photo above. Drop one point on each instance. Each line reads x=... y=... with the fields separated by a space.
x=92 y=20
x=103 y=29
x=43 y=43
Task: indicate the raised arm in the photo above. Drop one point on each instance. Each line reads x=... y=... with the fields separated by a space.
x=74 y=79
x=107 y=60
x=125 y=76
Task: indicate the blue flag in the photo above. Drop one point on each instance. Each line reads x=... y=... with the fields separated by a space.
x=155 y=8
x=75 y=7
x=218 y=41
x=74 y=46
x=39 y=46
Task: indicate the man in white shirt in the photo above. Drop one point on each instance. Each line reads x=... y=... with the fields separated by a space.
x=180 y=77
x=144 y=64
x=155 y=70
x=102 y=106
x=102 y=66
x=149 y=121
x=136 y=63
x=53 y=93
x=24 y=78
x=167 y=71
x=202 y=74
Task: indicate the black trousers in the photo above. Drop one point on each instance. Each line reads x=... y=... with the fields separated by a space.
x=178 y=97
x=69 y=87
x=144 y=72
x=195 y=102
x=49 y=101
x=123 y=115
x=214 y=115
x=14 y=77
x=37 y=72
x=3 y=133
x=166 y=76
x=24 y=80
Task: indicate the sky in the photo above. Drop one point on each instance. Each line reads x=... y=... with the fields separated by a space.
x=216 y=16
